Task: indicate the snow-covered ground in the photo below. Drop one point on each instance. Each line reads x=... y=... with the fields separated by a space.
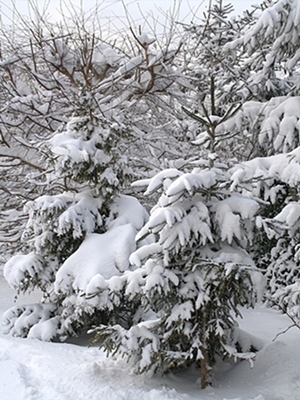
x=34 y=370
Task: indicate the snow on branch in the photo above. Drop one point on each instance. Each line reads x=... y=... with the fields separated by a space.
x=157 y=182
x=272 y=125
x=230 y=212
x=99 y=256
x=21 y=269
x=279 y=25
x=36 y=321
x=282 y=167
x=77 y=212
x=281 y=125
x=102 y=257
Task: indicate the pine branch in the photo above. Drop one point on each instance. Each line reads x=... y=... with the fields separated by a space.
x=195 y=117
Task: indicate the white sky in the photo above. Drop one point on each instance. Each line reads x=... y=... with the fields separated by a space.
x=114 y=9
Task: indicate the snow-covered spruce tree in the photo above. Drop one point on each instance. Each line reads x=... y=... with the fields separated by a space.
x=272 y=45
x=276 y=179
x=219 y=78
x=194 y=275
x=79 y=236
x=191 y=279
x=259 y=98
x=272 y=48
x=44 y=65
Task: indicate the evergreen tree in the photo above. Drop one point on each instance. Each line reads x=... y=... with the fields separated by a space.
x=275 y=180
x=191 y=279
x=272 y=45
x=164 y=339
x=64 y=229
x=131 y=75
x=220 y=80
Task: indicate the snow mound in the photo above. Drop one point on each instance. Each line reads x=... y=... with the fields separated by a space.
x=34 y=370
x=106 y=254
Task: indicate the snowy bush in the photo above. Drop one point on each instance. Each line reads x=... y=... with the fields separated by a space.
x=191 y=279
x=78 y=238
x=275 y=180
x=47 y=69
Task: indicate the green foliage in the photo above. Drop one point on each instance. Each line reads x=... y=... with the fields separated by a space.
x=190 y=280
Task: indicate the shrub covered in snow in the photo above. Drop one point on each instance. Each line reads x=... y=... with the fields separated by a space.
x=191 y=279
x=80 y=237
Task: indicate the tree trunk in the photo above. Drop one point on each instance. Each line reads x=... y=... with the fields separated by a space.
x=204 y=367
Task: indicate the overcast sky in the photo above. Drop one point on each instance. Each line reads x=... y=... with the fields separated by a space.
x=111 y=9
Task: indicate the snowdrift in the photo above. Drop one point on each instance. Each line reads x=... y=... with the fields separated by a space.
x=34 y=370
